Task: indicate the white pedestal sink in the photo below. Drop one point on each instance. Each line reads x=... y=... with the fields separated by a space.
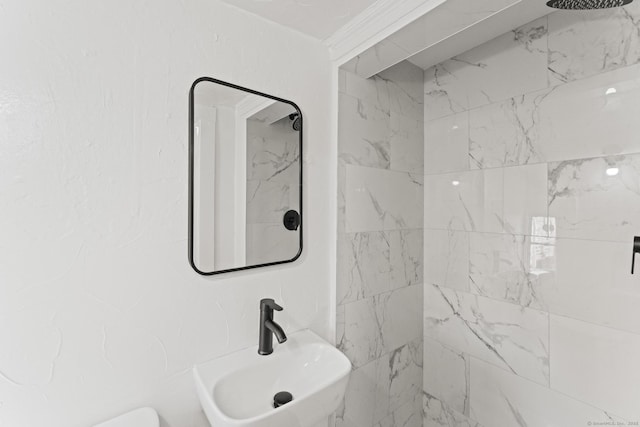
x=237 y=390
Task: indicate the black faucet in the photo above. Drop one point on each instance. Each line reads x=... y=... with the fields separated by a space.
x=268 y=327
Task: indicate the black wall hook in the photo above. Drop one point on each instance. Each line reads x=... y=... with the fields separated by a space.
x=636 y=249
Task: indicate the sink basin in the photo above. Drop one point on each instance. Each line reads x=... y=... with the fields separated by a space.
x=238 y=389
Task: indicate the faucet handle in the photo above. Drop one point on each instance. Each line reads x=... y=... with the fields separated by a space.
x=268 y=303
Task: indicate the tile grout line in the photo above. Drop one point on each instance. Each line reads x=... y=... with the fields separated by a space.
x=549 y=87
x=538 y=310
x=495 y=233
x=547 y=162
x=543 y=386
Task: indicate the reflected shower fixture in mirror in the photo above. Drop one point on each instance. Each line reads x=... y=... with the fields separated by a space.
x=245 y=178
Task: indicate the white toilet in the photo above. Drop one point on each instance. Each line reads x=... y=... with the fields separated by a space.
x=143 y=417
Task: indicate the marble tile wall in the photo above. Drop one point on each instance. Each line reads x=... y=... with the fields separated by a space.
x=380 y=246
x=532 y=200
x=273 y=165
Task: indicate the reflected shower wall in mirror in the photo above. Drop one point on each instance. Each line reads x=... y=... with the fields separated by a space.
x=245 y=178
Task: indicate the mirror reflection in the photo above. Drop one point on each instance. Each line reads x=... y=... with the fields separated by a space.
x=245 y=178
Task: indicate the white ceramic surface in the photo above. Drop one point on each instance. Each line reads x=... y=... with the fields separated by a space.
x=238 y=389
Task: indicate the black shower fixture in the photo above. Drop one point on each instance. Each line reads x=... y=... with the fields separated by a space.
x=586 y=4
x=295 y=121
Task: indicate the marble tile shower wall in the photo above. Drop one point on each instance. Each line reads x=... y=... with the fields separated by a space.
x=532 y=199
x=272 y=181
x=380 y=246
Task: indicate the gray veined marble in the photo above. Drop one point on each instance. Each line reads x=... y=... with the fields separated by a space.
x=446 y=375
x=379 y=126
x=397 y=89
x=539 y=220
x=511 y=64
x=509 y=267
x=525 y=201
x=342 y=81
x=276 y=166
x=340 y=326
x=470 y=201
x=364 y=267
x=584 y=43
x=596 y=365
x=399 y=315
x=363 y=133
x=267 y=201
x=380 y=248
x=596 y=198
x=360 y=398
x=407 y=415
x=362 y=337
x=404 y=81
x=530 y=35
x=506 y=133
x=407 y=266
x=266 y=242
x=501 y=399
x=374 y=90
x=594 y=116
x=377 y=325
x=509 y=336
x=272 y=152
x=589 y=280
x=382 y=388
x=446 y=260
x=376 y=58
x=400 y=376
x=406 y=143
x=446 y=144
x=439 y=414
x=443 y=96
x=383 y=200
x=371 y=263
x=341 y=198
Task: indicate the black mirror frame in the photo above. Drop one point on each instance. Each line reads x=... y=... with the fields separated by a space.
x=191 y=174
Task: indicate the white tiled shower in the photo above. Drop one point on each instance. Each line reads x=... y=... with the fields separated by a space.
x=531 y=201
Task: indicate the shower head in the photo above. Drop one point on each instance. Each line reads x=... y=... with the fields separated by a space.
x=295 y=122
x=586 y=4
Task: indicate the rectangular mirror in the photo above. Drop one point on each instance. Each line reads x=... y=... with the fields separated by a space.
x=245 y=178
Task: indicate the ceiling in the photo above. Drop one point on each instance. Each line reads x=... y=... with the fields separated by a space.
x=451 y=28
x=445 y=28
x=316 y=18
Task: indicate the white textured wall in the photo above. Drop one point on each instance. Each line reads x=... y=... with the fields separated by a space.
x=99 y=310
